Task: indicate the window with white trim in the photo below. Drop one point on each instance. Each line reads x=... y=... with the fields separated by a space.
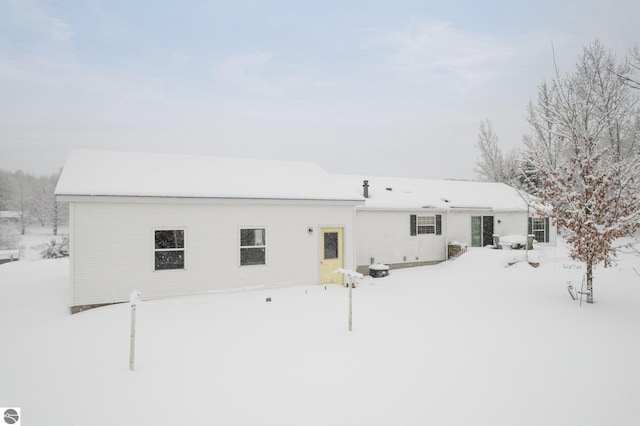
x=169 y=249
x=253 y=246
x=426 y=224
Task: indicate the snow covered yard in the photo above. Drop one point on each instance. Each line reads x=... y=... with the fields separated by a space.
x=466 y=342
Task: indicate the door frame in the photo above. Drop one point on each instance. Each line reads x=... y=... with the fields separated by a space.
x=489 y=238
x=338 y=278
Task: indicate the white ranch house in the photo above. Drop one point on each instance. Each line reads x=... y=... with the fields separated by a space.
x=170 y=225
x=411 y=222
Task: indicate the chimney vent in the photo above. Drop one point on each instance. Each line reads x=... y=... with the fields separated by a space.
x=365 y=185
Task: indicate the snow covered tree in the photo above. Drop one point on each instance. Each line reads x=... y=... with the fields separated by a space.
x=6 y=189
x=489 y=165
x=544 y=149
x=512 y=167
x=46 y=208
x=634 y=63
x=23 y=198
x=493 y=165
x=33 y=198
x=588 y=172
x=9 y=236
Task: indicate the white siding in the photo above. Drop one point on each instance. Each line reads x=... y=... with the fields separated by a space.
x=385 y=237
x=553 y=233
x=459 y=227
x=512 y=223
x=112 y=247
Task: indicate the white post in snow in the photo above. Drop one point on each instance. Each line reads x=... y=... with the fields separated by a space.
x=133 y=300
x=350 y=283
x=350 y=279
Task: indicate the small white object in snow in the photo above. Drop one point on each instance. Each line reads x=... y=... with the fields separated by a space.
x=513 y=239
x=349 y=273
x=379 y=267
x=134 y=299
x=457 y=243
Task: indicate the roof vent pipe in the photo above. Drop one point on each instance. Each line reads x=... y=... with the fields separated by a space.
x=365 y=185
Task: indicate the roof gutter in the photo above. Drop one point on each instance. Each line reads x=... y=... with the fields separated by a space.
x=202 y=200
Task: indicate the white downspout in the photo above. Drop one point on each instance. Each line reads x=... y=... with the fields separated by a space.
x=354 y=237
x=446 y=238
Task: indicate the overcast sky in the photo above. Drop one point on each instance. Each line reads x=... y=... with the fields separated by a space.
x=382 y=88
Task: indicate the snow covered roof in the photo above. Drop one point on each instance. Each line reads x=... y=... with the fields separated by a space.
x=9 y=214
x=106 y=173
x=407 y=193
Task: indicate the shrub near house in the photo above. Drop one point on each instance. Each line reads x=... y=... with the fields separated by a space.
x=56 y=250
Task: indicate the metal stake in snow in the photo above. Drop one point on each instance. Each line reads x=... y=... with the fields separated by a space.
x=350 y=277
x=133 y=300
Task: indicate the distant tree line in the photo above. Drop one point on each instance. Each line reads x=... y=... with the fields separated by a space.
x=32 y=198
x=582 y=156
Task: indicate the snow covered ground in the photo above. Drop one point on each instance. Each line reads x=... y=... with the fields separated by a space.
x=467 y=342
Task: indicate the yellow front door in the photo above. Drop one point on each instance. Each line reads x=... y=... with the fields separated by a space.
x=331 y=255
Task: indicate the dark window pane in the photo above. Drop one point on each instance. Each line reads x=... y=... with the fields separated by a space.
x=426 y=224
x=427 y=229
x=538 y=226
x=169 y=260
x=331 y=245
x=169 y=239
x=252 y=256
x=252 y=237
x=247 y=237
